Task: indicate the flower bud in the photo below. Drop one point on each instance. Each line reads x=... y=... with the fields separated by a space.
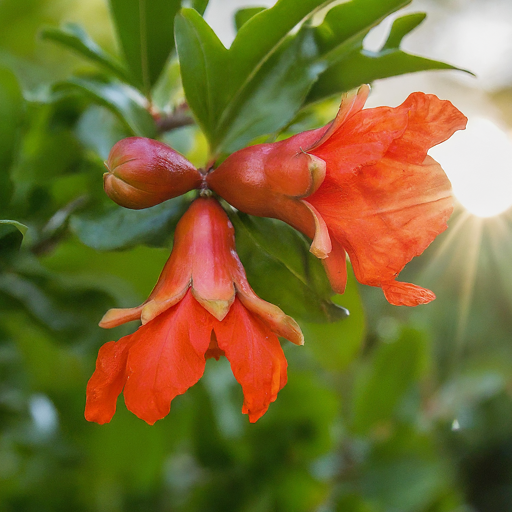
x=144 y=172
x=268 y=180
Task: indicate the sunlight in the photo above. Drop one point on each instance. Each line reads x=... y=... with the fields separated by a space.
x=478 y=162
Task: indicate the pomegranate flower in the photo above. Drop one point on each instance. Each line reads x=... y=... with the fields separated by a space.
x=144 y=172
x=364 y=185
x=201 y=307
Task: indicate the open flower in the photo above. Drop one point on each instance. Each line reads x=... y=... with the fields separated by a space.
x=201 y=307
x=363 y=185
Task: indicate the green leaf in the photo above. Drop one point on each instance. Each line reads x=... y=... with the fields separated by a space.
x=18 y=225
x=145 y=31
x=123 y=100
x=121 y=228
x=36 y=301
x=205 y=63
x=199 y=5
x=75 y=38
x=11 y=237
x=11 y=117
x=242 y=16
x=345 y=26
x=275 y=94
x=335 y=345
x=365 y=67
x=355 y=66
x=401 y=27
x=281 y=269
x=99 y=129
x=393 y=369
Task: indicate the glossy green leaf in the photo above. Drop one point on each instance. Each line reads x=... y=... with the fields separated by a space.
x=215 y=78
x=345 y=26
x=145 y=31
x=11 y=117
x=121 y=228
x=123 y=100
x=393 y=369
x=242 y=16
x=401 y=27
x=275 y=94
x=271 y=253
x=75 y=38
x=204 y=69
x=354 y=66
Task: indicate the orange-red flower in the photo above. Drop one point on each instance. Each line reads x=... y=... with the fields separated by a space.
x=201 y=307
x=364 y=185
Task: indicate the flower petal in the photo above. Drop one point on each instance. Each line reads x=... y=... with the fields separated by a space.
x=406 y=294
x=351 y=103
x=362 y=140
x=107 y=381
x=385 y=214
x=167 y=357
x=256 y=358
x=118 y=316
x=431 y=121
x=321 y=245
x=335 y=266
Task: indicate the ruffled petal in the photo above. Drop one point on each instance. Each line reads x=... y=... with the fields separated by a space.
x=385 y=214
x=431 y=121
x=256 y=357
x=406 y=294
x=167 y=357
x=362 y=140
x=107 y=381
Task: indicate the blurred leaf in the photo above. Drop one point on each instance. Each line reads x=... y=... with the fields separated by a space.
x=11 y=117
x=99 y=129
x=36 y=301
x=18 y=225
x=242 y=16
x=406 y=472
x=145 y=31
x=281 y=269
x=121 y=99
x=11 y=236
x=359 y=66
x=50 y=367
x=74 y=37
x=335 y=345
x=389 y=374
x=121 y=228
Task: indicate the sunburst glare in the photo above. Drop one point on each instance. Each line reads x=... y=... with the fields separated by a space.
x=479 y=165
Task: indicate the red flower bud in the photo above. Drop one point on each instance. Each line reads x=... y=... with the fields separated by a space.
x=144 y=172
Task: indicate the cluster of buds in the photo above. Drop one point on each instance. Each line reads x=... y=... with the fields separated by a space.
x=363 y=186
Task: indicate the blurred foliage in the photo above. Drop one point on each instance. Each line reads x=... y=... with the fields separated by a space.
x=386 y=410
